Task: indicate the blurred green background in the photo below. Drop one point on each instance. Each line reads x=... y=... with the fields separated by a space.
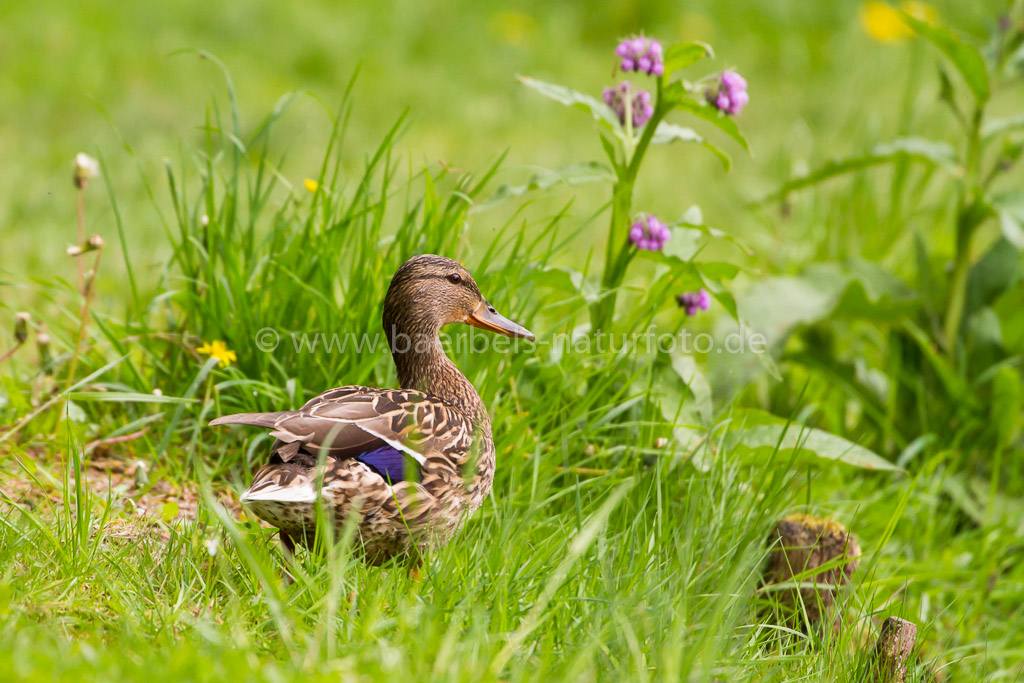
x=97 y=76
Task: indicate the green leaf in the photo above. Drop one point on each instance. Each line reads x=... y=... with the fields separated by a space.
x=684 y=400
x=858 y=290
x=930 y=152
x=689 y=372
x=667 y=133
x=681 y=55
x=718 y=270
x=693 y=220
x=1006 y=405
x=126 y=397
x=967 y=60
x=921 y=149
x=993 y=274
x=610 y=151
x=168 y=511
x=601 y=112
x=569 y=280
x=774 y=432
x=1002 y=125
x=722 y=122
x=724 y=298
x=1009 y=206
x=545 y=179
x=956 y=386
x=75 y=413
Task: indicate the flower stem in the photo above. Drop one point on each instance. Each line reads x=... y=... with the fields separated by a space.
x=617 y=255
x=969 y=215
x=80 y=222
x=90 y=289
x=10 y=352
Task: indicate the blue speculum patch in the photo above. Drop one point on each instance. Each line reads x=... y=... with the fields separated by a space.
x=387 y=461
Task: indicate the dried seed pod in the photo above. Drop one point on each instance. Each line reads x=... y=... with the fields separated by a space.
x=21 y=321
x=43 y=346
x=800 y=545
x=85 y=168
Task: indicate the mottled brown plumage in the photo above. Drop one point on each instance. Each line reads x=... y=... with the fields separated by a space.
x=366 y=439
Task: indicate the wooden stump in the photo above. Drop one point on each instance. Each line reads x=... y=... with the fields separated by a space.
x=895 y=643
x=800 y=545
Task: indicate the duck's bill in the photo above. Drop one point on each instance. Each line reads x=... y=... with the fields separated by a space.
x=486 y=318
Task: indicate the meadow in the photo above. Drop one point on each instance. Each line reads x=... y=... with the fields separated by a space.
x=261 y=171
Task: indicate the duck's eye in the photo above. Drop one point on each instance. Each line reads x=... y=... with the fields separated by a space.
x=455 y=278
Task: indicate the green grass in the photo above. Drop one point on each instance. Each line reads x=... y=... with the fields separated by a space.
x=604 y=552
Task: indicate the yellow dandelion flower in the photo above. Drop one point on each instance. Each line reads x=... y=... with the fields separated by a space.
x=311 y=185
x=884 y=23
x=219 y=350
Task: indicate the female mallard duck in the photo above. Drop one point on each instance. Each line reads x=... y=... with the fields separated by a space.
x=367 y=436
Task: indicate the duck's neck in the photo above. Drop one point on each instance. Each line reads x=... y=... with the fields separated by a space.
x=423 y=365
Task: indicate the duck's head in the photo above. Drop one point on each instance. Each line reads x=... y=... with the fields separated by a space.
x=430 y=291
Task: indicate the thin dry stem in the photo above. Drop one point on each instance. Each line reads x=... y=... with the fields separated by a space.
x=80 y=222
x=84 y=318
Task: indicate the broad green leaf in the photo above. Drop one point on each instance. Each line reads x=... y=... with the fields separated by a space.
x=685 y=274
x=573 y=98
x=15 y=395
x=667 y=133
x=775 y=306
x=681 y=55
x=866 y=291
x=922 y=149
x=967 y=60
x=803 y=439
x=724 y=298
x=718 y=270
x=693 y=220
x=545 y=179
x=569 y=280
x=1009 y=206
x=1002 y=125
x=984 y=329
x=690 y=276
x=697 y=272
x=932 y=152
x=685 y=243
x=75 y=413
x=721 y=121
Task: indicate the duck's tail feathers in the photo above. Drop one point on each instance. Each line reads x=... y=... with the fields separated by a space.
x=268 y=420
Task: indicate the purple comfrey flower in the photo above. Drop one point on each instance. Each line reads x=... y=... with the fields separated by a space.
x=641 y=103
x=649 y=234
x=694 y=301
x=641 y=54
x=731 y=95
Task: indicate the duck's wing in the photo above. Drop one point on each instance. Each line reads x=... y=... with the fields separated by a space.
x=378 y=427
